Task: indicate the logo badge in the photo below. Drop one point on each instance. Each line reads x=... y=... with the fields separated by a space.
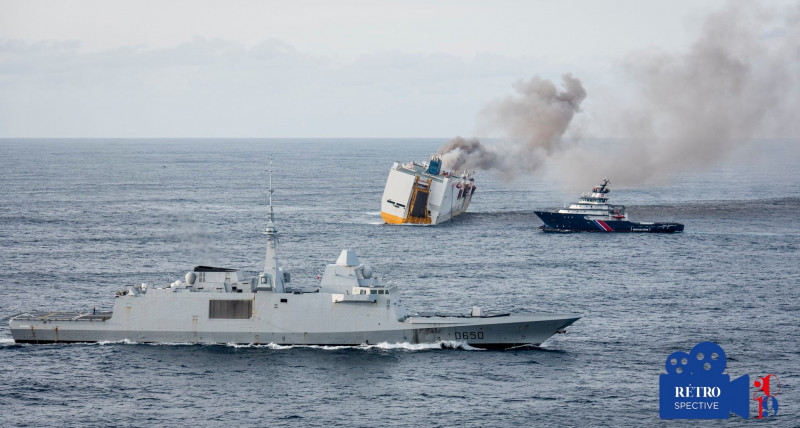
x=767 y=388
x=695 y=387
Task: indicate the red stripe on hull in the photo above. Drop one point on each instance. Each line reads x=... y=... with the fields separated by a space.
x=603 y=225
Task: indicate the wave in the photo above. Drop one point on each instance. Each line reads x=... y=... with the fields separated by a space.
x=263 y=346
x=383 y=346
x=443 y=344
x=131 y=342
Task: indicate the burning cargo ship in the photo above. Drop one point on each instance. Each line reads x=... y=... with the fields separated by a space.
x=424 y=193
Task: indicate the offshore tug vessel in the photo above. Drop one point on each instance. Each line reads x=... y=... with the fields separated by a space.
x=593 y=213
x=424 y=193
x=350 y=307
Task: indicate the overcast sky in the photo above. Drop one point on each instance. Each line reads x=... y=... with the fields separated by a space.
x=312 y=68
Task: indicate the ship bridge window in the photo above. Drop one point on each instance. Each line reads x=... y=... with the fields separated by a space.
x=230 y=309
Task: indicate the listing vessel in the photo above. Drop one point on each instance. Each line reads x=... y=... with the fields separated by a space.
x=424 y=193
x=349 y=306
x=593 y=213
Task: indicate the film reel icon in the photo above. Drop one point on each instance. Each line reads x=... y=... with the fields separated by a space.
x=707 y=358
x=678 y=363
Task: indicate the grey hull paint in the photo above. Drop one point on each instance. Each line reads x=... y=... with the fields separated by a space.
x=317 y=318
x=519 y=331
x=305 y=319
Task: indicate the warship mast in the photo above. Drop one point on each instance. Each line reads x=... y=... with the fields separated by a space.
x=271 y=256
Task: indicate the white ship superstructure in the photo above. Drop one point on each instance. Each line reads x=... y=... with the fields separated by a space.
x=595 y=205
x=424 y=193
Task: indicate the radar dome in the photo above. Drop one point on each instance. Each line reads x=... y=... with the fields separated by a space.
x=367 y=272
x=190 y=277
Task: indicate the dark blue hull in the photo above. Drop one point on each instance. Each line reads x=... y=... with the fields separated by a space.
x=559 y=222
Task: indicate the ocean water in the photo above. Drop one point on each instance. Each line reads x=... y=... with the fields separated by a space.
x=81 y=218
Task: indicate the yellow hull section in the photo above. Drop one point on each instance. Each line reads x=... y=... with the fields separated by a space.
x=391 y=219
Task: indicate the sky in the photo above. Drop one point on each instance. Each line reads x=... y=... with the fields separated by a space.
x=361 y=69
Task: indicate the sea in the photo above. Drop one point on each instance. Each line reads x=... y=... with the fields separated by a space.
x=82 y=218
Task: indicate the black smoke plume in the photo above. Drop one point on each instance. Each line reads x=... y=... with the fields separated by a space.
x=533 y=120
x=737 y=82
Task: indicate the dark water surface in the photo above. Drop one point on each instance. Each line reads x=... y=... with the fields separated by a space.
x=81 y=218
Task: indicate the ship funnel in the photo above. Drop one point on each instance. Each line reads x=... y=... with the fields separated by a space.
x=435 y=166
x=347 y=258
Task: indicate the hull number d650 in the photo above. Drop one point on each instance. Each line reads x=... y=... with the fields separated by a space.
x=467 y=335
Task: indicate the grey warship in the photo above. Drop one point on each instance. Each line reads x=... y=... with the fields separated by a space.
x=213 y=305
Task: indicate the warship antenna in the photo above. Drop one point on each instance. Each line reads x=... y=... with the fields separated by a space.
x=271 y=214
x=271 y=255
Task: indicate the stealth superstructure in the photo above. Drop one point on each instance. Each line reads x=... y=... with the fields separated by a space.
x=350 y=306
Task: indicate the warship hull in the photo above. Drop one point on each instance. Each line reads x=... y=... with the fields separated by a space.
x=294 y=319
x=561 y=222
x=350 y=306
